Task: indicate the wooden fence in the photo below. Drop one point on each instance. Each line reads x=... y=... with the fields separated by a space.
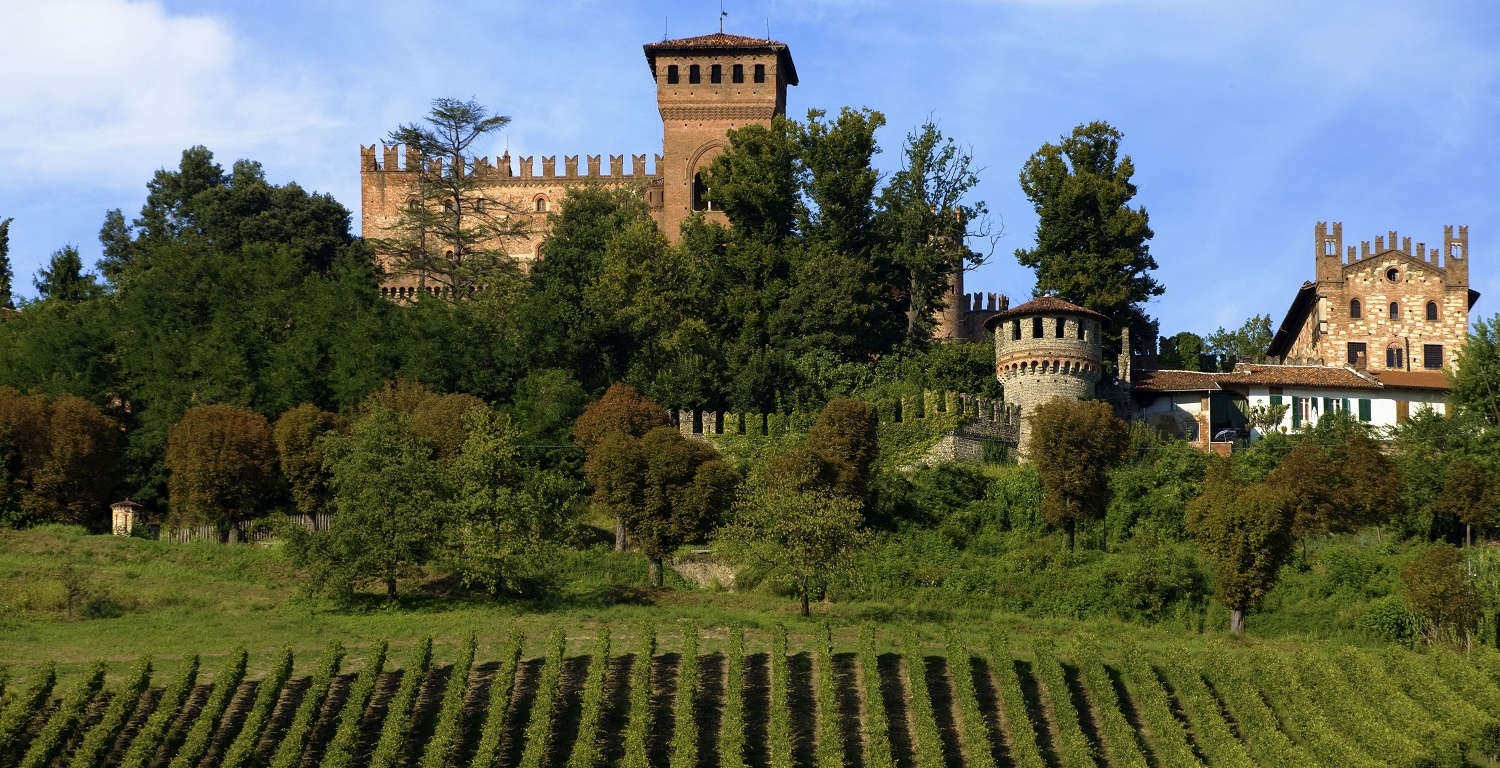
x=253 y=532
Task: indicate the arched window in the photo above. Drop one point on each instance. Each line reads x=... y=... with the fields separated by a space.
x=701 y=198
x=671 y=74
x=1432 y=311
x=1354 y=309
x=541 y=203
x=1395 y=310
x=1393 y=357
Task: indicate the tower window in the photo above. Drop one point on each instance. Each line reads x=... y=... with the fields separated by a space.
x=1061 y=323
x=1082 y=334
x=1354 y=309
x=693 y=75
x=1432 y=311
x=701 y=190
x=1015 y=330
x=716 y=74
x=738 y=74
x=1432 y=356
x=1357 y=354
x=1036 y=328
x=1393 y=357
x=1393 y=274
x=671 y=74
x=760 y=73
x=541 y=204
x=1395 y=310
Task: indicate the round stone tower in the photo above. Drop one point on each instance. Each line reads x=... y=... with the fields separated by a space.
x=1046 y=348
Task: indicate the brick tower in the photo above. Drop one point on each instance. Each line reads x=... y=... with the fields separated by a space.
x=705 y=87
x=1046 y=348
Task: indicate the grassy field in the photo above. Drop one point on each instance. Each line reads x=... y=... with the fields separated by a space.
x=881 y=688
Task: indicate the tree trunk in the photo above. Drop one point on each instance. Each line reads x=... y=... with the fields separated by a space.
x=1068 y=526
x=1237 y=622
x=1468 y=535
x=390 y=588
x=619 y=534
x=805 y=611
x=653 y=570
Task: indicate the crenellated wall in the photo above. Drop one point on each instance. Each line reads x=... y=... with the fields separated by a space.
x=967 y=422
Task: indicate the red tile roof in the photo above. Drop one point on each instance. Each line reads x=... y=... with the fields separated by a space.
x=1174 y=381
x=1298 y=376
x=1041 y=305
x=722 y=41
x=1414 y=379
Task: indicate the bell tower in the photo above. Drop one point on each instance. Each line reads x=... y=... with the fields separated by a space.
x=705 y=87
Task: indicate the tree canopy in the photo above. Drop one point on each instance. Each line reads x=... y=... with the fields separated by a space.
x=1091 y=246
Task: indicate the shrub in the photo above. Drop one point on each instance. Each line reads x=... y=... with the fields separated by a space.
x=1437 y=588
x=1388 y=619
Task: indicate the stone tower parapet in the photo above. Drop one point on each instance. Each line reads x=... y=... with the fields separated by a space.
x=1045 y=349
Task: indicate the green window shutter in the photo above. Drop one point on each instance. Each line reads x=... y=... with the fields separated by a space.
x=1364 y=409
x=1346 y=405
x=1296 y=412
x=1275 y=399
x=1327 y=405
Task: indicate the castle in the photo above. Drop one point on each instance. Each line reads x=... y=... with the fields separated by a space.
x=706 y=86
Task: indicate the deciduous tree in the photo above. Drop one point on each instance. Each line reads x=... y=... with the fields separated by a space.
x=1338 y=480
x=222 y=462
x=1246 y=532
x=1470 y=493
x=388 y=496
x=1245 y=344
x=685 y=488
x=1475 y=374
x=299 y=437
x=72 y=482
x=620 y=417
x=1091 y=246
x=844 y=437
x=807 y=537
x=1074 y=443
x=1436 y=587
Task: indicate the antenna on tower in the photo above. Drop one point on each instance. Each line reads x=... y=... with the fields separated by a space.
x=722 y=14
x=768 y=28
x=664 y=20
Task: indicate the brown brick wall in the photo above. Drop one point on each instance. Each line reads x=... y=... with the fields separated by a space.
x=1420 y=277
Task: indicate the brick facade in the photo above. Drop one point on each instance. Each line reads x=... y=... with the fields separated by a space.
x=1351 y=301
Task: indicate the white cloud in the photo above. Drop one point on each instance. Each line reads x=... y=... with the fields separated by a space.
x=107 y=90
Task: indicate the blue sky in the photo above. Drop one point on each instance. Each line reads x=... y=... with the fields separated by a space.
x=1248 y=121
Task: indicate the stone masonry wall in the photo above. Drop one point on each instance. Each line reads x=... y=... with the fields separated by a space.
x=1037 y=368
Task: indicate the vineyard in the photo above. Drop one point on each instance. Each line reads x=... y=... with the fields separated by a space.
x=722 y=698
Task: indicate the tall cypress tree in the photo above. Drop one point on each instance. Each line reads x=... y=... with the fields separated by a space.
x=7 y=301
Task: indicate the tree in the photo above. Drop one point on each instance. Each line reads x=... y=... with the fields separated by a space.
x=1091 y=246
x=442 y=419
x=1470 y=493
x=927 y=219
x=618 y=418
x=23 y=446
x=1475 y=374
x=508 y=519
x=1074 y=443
x=844 y=437
x=1338 y=480
x=808 y=537
x=685 y=487
x=1265 y=419
x=7 y=275
x=1245 y=344
x=1246 y=531
x=221 y=460
x=1183 y=352
x=299 y=437
x=388 y=495
x=451 y=233
x=63 y=278
x=72 y=481
x=1437 y=588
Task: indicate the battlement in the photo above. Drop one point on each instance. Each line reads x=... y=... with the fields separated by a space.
x=393 y=159
x=1329 y=246
x=971 y=414
x=985 y=302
